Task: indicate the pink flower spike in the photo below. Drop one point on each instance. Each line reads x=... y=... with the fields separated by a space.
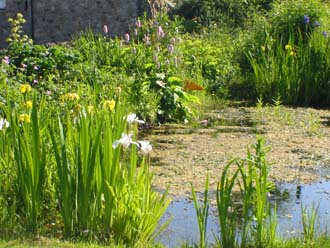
x=147 y=40
x=170 y=48
x=173 y=41
x=138 y=24
x=127 y=38
x=6 y=60
x=105 y=29
x=24 y=65
x=160 y=32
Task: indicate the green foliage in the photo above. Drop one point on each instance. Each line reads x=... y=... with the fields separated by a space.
x=34 y=63
x=244 y=225
x=225 y=207
x=297 y=71
x=30 y=159
x=205 y=13
x=295 y=18
x=202 y=213
x=211 y=58
x=151 y=49
x=308 y=222
x=287 y=22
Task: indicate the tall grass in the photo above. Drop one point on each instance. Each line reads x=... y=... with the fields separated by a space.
x=308 y=223
x=66 y=179
x=298 y=71
x=225 y=207
x=250 y=223
x=30 y=160
x=105 y=189
x=202 y=213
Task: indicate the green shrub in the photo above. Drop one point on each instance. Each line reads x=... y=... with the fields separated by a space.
x=297 y=72
x=210 y=58
x=295 y=17
x=302 y=25
x=229 y=13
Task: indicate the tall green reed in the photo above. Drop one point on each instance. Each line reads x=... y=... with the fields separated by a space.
x=7 y=172
x=66 y=177
x=255 y=188
x=30 y=160
x=298 y=71
x=202 y=213
x=105 y=189
x=308 y=223
x=225 y=207
x=260 y=177
x=244 y=224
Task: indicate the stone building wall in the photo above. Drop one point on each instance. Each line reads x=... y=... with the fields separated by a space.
x=59 y=20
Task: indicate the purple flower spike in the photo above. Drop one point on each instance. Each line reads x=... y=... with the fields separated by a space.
x=317 y=24
x=325 y=34
x=306 y=19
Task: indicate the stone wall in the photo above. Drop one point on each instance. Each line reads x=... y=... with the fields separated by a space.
x=59 y=20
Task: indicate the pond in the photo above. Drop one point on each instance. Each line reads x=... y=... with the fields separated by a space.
x=288 y=198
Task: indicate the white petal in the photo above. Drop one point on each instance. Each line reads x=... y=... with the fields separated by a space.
x=115 y=144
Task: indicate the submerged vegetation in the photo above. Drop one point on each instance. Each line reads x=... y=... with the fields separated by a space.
x=71 y=160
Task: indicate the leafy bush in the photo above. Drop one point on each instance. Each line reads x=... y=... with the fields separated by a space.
x=152 y=48
x=297 y=72
x=295 y=17
x=229 y=13
x=211 y=59
x=277 y=73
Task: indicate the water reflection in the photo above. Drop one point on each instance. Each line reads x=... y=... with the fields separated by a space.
x=287 y=197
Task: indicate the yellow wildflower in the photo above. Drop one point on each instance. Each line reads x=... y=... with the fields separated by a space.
x=263 y=48
x=288 y=47
x=292 y=53
x=70 y=97
x=90 y=109
x=77 y=107
x=19 y=15
x=28 y=104
x=25 y=88
x=24 y=118
x=109 y=104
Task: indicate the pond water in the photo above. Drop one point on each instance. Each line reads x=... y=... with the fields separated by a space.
x=288 y=197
